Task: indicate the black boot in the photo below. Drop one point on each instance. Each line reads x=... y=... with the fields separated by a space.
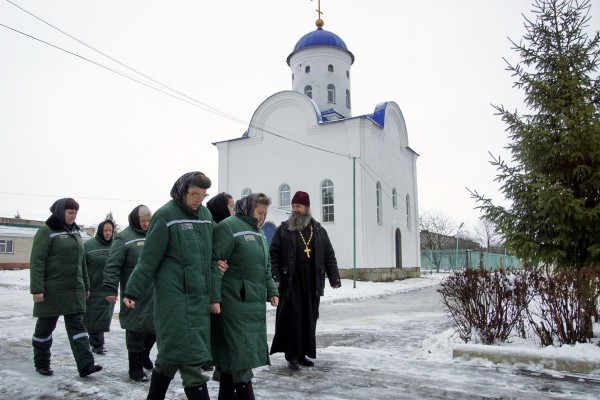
x=244 y=390
x=197 y=392
x=136 y=369
x=159 y=384
x=149 y=341
x=146 y=360
x=226 y=388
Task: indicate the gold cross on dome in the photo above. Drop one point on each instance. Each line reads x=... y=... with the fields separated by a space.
x=318 y=10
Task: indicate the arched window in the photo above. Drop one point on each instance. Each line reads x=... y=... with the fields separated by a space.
x=348 y=99
x=347 y=74
x=307 y=69
x=330 y=68
x=408 y=212
x=330 y=93
x=308 y=91
x=394 y=198
x=284 y=196
x=327 y=201
x=246 y=192
x=379 y=203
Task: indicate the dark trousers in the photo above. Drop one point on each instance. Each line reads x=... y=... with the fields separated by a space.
x=137 y=342
x=96 y=339
x=78 y=339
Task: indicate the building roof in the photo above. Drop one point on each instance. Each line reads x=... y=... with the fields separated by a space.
x=320 y=37
x=17 y=231
x=28 y=231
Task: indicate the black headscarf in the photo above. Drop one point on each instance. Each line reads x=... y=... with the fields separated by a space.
x=218 y=207
x=57 y=219
x=100 y=231
x=134 y=219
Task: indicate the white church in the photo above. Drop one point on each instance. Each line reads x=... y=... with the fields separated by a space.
x=359 y=171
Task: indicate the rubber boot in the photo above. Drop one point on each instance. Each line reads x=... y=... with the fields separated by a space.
x=226 y=388
x=244 y=390
x=197 y=392
x=136 y=369
x=159 y=384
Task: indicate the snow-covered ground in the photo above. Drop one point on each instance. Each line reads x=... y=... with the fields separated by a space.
x=388 y=352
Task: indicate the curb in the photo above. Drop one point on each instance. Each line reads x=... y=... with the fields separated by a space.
x=500 y=355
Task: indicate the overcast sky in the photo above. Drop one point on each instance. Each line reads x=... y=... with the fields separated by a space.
x=70 y=128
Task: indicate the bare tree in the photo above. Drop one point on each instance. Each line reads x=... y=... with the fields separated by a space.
x=487 y=235
x=437 y=233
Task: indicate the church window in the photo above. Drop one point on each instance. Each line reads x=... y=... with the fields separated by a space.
x=284 y=197
x=379 y=203
x=394 y=198
x=246 y=192
x=330 y=93
x=330 y=68
x=307 y=69
x=308 y=91
x=347 y=74
x=348 y=99
x=408 y=211
x=327 y=201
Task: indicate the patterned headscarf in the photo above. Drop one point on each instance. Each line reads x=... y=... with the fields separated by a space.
x=244 y=205
x=180 y=187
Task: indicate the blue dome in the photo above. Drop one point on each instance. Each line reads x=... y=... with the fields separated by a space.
x=320 y=37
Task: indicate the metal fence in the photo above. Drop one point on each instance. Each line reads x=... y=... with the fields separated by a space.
x=450 y=259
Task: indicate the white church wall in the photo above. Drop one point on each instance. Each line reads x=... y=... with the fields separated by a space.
x=389 y=162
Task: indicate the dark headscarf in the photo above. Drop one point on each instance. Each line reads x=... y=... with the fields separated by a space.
x=218 y=207
x=100 y=231
x=58 y=213
x=244 y=205
x=180 y=187
x=134 y=219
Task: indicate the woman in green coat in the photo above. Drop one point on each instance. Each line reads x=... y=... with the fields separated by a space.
x=140 y=334
x=99 y=311
x=177 y=260
x=239 y=296
x=59 y=285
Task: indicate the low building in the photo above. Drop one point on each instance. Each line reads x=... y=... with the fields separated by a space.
x=16 y=240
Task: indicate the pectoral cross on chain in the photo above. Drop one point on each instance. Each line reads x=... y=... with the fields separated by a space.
x=307 y=251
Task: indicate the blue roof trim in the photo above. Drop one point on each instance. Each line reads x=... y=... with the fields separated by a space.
x=378 y=115
x=332 y=115
x=320 y=37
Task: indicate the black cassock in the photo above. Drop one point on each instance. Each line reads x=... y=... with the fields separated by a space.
x=296 y=318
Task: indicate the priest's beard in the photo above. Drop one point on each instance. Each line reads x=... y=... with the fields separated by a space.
x=297 y=222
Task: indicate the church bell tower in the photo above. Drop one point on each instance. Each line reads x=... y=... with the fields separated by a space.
x=320 y=65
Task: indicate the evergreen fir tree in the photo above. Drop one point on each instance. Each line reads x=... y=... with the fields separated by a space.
x=553 y=179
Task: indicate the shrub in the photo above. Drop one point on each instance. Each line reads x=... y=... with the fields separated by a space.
x=564 y=306
x=486 y=306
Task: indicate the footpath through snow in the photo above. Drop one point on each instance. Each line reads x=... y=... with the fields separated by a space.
x=347 y=344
